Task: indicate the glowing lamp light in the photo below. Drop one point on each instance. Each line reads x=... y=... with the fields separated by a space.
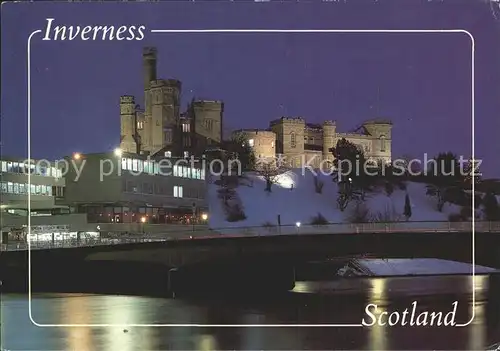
x=204 y=216
x=143 y=219
x=77 y=156
x=118 y=152
x=297 y=224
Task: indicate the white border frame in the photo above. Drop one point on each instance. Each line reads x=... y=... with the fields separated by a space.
x=463 y=31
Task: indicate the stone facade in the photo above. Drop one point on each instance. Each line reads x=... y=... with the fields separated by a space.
x=263 y=142
x=302 y=143
x=160 y=128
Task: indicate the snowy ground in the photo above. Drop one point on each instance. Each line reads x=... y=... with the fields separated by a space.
x=294 y=199
x=301 y=203
x=421 y=266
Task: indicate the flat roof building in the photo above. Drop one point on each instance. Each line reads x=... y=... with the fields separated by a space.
x=118 y=187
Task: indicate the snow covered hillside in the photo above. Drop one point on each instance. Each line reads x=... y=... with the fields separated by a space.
x=294 y=198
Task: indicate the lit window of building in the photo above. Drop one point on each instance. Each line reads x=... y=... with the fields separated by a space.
x=178 y=191
x=382 y=144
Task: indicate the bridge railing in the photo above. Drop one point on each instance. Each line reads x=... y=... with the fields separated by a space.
x=334 y=228
x=44 y=244
x=376 y=227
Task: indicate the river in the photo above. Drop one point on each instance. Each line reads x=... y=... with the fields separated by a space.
x=335 y=302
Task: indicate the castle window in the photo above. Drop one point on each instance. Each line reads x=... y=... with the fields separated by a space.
x=293 y=140
x=209 y=124
x=186 y=127
x=187 y=141
x=382 y=144
x=167 y=136
x=251 y=142
x=272 y=143
x=140 y=125
x=168 y=153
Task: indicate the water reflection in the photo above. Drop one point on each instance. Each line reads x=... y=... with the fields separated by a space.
x=336 y=304
x=377 y=339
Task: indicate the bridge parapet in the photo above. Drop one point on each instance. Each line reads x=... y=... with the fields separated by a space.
x=334 y=228
x=374 y=227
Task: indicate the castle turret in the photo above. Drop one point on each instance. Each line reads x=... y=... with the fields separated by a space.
x=149 y=65
x=128 y=140
x=329 y=132
x=290 y=139
x=208 y=118
x=380 y=131
x=164 y=97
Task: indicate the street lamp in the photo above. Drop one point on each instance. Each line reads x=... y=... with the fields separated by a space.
x=118 y=152
x=204 y=216
x=143 y=220
x=77 y=156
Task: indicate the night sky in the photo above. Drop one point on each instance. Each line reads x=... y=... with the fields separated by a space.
x=422 y=82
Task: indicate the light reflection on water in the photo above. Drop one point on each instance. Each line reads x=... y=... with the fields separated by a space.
x=20 y=334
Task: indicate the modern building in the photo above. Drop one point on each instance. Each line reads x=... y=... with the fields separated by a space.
x=120 y=187
x=299 y=143
x=160 y=128
x=30 y=191
x=41 y=179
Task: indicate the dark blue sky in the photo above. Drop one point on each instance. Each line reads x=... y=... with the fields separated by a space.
x=423 y=79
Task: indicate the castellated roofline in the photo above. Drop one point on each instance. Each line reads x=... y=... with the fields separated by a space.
x=158 y=83
x=354 y=135
x=289 y=120
x=149 y=50
x=378 y=121
x=262 y=132
x=127 y=99
x=207 y=102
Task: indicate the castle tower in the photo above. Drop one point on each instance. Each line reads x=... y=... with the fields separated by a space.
x=329 y=139
x=380 y=131
x=164 y=101
x=207 y=116
x=290 y=139
x=149 y=65
x=149 y=57
x=128 y=139
x=262 y=142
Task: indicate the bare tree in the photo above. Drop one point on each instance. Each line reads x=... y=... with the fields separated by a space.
x=270 y=172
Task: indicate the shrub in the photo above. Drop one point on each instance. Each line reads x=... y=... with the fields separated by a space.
x=236 y=217
x=235 y=213
x=319 y=219
x=318 y=185
x=466 y=212
x=360 y=213
x=455 y=217
x=491 y=208
x=407 y=208
x=383 y=217
x=389 y=188
x=271 y=227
